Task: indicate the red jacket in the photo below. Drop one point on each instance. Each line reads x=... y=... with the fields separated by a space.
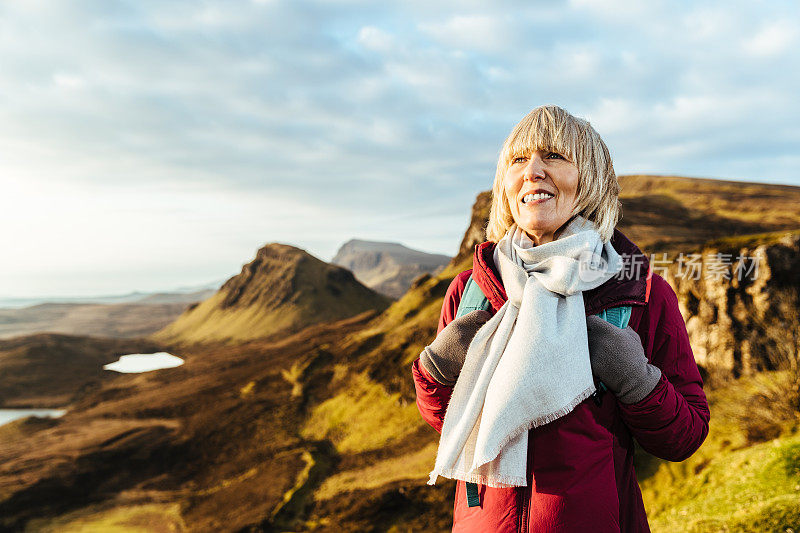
x=580 y=466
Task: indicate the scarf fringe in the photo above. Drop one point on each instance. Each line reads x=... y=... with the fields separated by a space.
x=503 y=481
x=499 y=482
x=541 y=421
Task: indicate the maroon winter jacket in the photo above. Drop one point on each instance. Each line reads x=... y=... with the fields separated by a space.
x=580 y=466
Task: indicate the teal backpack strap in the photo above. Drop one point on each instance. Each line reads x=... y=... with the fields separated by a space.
x=617 y=316
x=471 y=300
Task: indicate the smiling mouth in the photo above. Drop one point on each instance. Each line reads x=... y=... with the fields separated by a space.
x=539 y=197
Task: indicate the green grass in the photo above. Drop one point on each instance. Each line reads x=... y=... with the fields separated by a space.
x=748 y=241
x=753 y=489
x=730 y=484
x=411 y=466
x=146 y=518
x=362 y=417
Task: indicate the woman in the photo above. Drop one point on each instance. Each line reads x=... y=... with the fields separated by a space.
x=517 y=391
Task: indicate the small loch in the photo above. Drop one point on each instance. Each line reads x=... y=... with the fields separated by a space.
x=144 y=362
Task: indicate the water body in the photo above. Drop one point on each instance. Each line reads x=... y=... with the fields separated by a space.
x=128 y=364
x=144 y=362
x=9 y=415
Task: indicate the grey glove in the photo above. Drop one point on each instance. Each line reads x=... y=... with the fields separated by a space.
x=444 y=357
x=618 y=359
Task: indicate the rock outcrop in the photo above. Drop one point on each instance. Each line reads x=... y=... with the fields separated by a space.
x=476 y=231
x=741 y=302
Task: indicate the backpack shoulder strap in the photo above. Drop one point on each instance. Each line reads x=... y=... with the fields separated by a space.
x=618 y=316
x=472 y=299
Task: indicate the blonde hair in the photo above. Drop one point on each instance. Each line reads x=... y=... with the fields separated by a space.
x=553 y=129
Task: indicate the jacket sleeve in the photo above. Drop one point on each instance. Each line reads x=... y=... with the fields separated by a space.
x=432 y=396
x=672 y=421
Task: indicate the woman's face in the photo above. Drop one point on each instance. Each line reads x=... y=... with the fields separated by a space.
x=554 y=182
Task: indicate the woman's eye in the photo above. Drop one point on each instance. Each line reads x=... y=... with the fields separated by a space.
x=555 y=155
x=519 y=160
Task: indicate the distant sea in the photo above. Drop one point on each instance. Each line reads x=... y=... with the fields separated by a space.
x=9 y=415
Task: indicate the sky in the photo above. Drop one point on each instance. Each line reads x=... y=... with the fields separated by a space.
x=151 y=145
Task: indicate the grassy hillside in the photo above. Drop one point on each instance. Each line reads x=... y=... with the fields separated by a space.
x=47 y=370
x=745 y=477
x=662 y=213
x=219 y=437
x=314 y=429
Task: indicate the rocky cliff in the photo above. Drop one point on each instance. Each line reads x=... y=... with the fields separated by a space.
x=739 y=298
x=476 y=231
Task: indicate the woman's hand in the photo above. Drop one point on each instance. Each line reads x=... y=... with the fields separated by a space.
x=618 y=360
x=445 y=356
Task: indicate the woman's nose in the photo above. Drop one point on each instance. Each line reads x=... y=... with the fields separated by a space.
x=535 y=168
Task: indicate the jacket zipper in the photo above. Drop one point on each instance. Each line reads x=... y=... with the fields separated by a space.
x=523 y=515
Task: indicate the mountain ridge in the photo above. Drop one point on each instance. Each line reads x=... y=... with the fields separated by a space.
x=282 y=290
x=387 y=267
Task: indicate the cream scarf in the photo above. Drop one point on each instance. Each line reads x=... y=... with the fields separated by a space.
x=529 y=364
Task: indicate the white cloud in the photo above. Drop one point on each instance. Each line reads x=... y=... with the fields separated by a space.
x=487 y=33
x=704 y=23
x=771 y=40
x=618 y=10
x=580 y=63
x=68 y=81
x=376 y=39
x=615 y=116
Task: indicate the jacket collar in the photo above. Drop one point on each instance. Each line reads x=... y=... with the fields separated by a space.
x=626 y=289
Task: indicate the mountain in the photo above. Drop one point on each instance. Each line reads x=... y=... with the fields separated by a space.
x=387 y=267
x=283 y=290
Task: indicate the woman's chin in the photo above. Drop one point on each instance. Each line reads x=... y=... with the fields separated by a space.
x=536 y=229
